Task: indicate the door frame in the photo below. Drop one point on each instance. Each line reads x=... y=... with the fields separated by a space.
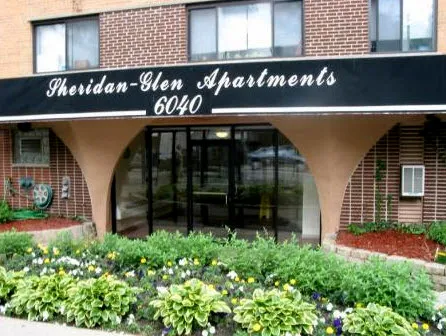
x=231 y=142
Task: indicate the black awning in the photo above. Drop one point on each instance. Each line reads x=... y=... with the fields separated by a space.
x=348 y=85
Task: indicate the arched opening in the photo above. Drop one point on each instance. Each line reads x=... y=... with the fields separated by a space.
x=242 y=178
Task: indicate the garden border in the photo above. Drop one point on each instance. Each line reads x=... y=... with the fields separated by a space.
x=436 y=271
x=83 y=230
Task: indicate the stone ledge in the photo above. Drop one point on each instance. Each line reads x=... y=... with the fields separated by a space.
x=436 y=271
x=83 y=230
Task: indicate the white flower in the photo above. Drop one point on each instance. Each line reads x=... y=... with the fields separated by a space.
x=98 y=270
x=40 y=261
x=288 y=334
x=439 y=326
x=348 y=310
x=118 y=319
x=62 y=309
x=212 y=330
x=183 y=275
x=93 y=262
x=33 y=254
x=161 y=289
x=232 y=275
x=205 y=333
x=170 y=271
x=45 y=315
x=26 y=269
x=329 y=306
x=336 y=314
x=322 y=320
x=188 y=272
x=182 y=262
x=2 y=310
x=241 y=289
x=131 y=319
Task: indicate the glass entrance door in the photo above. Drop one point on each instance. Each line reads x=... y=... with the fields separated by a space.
x=211 y=197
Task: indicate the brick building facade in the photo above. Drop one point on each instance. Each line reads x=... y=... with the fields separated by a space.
x=137 y=33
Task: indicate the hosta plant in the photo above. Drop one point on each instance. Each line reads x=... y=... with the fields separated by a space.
x=41 y=298
x=99 y=302
x=376 y=320
x=188 y=306
x=276 y=312
x=8 y=283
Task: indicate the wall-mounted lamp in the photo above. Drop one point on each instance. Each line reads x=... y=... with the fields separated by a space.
x=222 y=134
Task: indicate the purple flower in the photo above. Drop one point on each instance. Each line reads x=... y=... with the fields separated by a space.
x=165 y=331
x=337 y=322
x=316 y=296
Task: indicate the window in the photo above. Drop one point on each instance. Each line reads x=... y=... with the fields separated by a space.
x=402 y=25
x=412 y=181
x=246 y=31
x=67 y=45
x=31 y=148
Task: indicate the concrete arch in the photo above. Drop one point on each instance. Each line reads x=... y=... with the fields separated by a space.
x=332 y=145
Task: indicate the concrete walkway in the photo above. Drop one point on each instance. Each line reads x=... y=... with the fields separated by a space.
x=17 y=327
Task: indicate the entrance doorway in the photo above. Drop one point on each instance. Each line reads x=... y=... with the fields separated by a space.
x=244 y=179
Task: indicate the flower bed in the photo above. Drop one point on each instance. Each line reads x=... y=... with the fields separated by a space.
x=170 y=284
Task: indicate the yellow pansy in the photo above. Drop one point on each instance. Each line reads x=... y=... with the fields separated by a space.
x=425 y=326
x=165 y=277
x=56 y=251
x=359 y=305
x=46 y=261
x=277 y=283
x=234 y=301
x=78 y=251
x=214 y=262
x=237 y=279
x=329 y=330
x=256 y=327
x=151 y=272
x=251 y=280
x=169 y=263
x=286 y=287
x=415 y=325
x=29 y=250
x=143 y=260
x=196 y=262
x=224 y=292
x=293 y=282
x=91 y=268
x=62 y=272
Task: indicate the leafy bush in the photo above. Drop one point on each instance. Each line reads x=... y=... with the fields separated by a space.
x=358 y=229
x=188 y=306
x=12 y=242
x=6 y=212
x=313 y=270
x=8 y=284
x=66 y=244
x=275 y=313
x=41 y=298
x=376 y=320
x=405 y=289
x=437 y=232
x=99 y=302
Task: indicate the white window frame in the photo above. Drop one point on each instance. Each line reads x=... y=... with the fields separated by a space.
x=412 y=194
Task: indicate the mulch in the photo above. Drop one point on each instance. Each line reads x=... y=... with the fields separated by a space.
x=38 y=224
x=392 y=242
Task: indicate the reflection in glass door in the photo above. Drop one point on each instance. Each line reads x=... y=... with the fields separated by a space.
x=210 y=186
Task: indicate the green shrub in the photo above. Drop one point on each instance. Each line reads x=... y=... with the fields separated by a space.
x=376 y=320
x=99 y=302
x=8 y=284
x=437 y=232
x=407 y=290
x=417 y=229
x=66 y=244
x=6 y=212
x=41 y=298
x=189 y=306
x=313 y=270
x=275 y=313
x=358 y=229
x=13 y=242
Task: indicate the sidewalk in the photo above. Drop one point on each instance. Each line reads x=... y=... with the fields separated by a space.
x=16 y=327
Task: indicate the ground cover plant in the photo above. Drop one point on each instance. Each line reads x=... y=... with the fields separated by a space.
x=170 y=284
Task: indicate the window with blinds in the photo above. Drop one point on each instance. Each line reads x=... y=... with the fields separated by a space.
x=31 y=148
x=412 y=181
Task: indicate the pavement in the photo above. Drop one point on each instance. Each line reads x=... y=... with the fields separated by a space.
x=17 y=327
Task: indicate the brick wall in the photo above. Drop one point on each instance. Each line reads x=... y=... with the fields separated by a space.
x=150 y=36
x=62 y=164
x=336 y=27
x=403 y=144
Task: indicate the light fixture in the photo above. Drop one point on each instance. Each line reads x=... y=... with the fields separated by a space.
x=222 y=134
